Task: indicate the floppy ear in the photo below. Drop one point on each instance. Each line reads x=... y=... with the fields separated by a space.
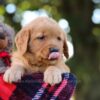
x=65 y=46
x=21 y=40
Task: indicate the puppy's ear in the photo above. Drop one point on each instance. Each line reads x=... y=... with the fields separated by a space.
x=21 y=40
x=65 y=46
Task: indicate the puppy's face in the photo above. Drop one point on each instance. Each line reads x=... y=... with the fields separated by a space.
x=6 y=37
x=47 y=43
x=44 y=39
x=3 y=39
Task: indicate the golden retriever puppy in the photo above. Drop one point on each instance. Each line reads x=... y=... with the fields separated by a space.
x=40 y=48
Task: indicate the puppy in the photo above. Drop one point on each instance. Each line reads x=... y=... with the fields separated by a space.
x=40 y=46
x=6 y=45
x=6 y=37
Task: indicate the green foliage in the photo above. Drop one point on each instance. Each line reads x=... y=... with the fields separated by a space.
x=2 y=10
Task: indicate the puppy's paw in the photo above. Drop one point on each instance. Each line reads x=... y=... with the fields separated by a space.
x=13 y=75
x=52 y=75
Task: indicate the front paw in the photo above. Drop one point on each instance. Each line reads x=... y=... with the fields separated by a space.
x=52 y=75
x=13 y=75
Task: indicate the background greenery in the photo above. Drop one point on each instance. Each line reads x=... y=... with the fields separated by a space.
x=86 y=38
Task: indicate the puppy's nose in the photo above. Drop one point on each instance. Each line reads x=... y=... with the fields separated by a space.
x=2 y=36
x=54 y=50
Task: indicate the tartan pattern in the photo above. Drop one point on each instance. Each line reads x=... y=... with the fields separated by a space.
x=27 y=88
x=4 y=59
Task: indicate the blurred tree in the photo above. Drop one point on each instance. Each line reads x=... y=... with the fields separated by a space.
x=86 y=38
x=86 y=61
x=1 y=1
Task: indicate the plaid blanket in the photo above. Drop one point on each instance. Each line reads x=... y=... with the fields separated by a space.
x=32 y=87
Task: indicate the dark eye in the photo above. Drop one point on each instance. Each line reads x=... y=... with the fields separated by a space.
x=59 y=38
x=41 y=37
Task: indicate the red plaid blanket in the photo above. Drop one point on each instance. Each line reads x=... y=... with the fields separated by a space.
x=32 y=87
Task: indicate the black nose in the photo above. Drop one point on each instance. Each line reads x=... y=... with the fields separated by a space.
x=54 y=50
x=2 y=36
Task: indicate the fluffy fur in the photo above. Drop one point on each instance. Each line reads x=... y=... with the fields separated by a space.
x=6 y=42
x=33 y=43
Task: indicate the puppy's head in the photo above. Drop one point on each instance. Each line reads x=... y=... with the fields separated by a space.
x=6 y=37
x=43 y=39
x=3 y=38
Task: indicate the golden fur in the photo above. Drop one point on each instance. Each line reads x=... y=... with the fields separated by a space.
x=33 y=43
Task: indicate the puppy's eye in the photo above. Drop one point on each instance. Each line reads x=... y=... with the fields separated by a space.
x=59 y=38
x=41 y=37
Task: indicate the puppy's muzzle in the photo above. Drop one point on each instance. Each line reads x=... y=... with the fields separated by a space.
x=2 y=36
x=53 y=50
x=54 y=54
